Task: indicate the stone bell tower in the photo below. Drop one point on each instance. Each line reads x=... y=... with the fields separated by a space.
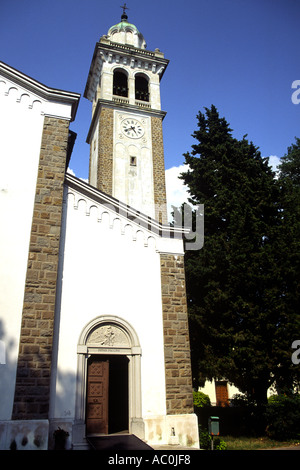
x=125 y=136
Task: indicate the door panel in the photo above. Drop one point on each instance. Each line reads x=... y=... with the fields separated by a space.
x=97 y=396
x=222 y=393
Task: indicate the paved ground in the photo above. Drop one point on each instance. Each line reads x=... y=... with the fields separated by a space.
x=127 y=442
x=166 y=447
x=117 y=442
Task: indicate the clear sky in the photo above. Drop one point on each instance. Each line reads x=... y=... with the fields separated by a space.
x=240 y=55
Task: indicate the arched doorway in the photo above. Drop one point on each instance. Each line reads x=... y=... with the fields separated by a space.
x=108 y=398
x=107 y=404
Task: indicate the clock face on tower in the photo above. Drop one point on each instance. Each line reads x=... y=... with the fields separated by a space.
x=132 y=128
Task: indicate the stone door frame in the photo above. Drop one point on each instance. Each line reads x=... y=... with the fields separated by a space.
x=128 y=345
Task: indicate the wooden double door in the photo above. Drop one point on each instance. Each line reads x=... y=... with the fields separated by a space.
x=107 y=394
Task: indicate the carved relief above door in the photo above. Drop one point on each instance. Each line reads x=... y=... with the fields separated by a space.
x=108 y=336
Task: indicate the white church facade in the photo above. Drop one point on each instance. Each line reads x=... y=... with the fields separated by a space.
x=93 y=321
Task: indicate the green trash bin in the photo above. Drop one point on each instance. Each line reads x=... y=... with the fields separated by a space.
x=213 y=425
x=213 y=428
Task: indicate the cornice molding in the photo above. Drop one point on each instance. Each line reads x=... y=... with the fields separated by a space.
x=39 y=89
x=126 y=49
x=93 y=196
x=107 y=51
x=122 y=106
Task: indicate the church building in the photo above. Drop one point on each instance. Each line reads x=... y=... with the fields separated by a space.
x=94 y=333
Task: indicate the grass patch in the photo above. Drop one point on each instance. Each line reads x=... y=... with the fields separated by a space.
x=255 y=443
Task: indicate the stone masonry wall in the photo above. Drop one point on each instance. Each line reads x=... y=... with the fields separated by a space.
x=32 y=392
x=160 y=199
x=179 y=393
x=105 y=157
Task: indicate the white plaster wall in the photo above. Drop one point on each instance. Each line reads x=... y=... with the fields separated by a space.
x=21 y=126
x=106 y=82
x=21 y=130
x=154 y=89
x=107 y=273
x=210 y=390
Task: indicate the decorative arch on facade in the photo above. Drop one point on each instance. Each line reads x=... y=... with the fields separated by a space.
x=92 y=334
x=110 y=335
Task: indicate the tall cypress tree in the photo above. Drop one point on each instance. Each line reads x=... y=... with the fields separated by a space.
x=232 y=296
x=287 y=375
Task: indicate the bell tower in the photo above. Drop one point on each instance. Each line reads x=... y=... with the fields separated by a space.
x=125 y=136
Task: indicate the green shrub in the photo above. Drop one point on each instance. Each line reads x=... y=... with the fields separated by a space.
x=219 y=444
x=283 y=417
x=240 y=399
x=201 y=399
x=205 y=441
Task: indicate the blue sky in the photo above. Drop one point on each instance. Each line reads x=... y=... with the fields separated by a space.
x=240 y=55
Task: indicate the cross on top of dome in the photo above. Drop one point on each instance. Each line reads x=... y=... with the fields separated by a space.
x=124 y=15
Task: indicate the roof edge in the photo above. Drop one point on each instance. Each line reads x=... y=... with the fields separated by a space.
x=143 y=220
x=41 y=89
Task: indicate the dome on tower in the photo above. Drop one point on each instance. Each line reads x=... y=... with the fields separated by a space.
x=126 y=33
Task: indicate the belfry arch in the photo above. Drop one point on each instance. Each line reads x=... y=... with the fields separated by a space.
x=120 y=82
x=110 y=337
x=142 y=87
